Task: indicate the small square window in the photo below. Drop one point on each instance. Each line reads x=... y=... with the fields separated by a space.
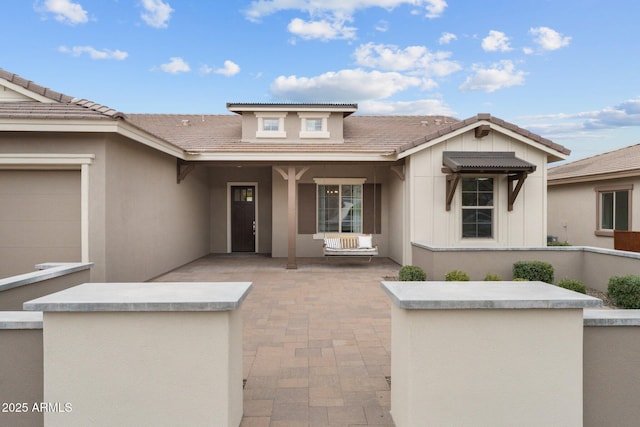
x=271 y=125
x=314 y=125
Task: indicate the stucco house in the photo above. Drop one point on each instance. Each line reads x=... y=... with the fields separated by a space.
x=592 y=197
x=140 y=194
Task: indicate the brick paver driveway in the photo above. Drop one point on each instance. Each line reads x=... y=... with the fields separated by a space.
x=316 y=339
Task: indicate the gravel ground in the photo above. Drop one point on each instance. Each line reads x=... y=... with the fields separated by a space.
x=606 y=302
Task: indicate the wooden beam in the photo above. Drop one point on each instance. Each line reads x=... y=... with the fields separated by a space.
x=184 y=169
x=482 y=131
x=513 y=192
x=452 y=184
x=398 y=170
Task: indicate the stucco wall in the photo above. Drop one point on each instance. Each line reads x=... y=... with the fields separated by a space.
x=611 y=363
x=153 y=224
x=292 y=123
x=593 y=266
x=430 y=222
x=572 y=211
x=21 y=375
x=306 y=245
x=219 y=178
x=397 y=212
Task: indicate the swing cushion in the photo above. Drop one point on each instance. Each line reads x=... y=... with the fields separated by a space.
x=365 y=242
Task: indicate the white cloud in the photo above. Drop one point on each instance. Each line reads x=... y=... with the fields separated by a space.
x=496 y=41
x=261 y=8
x=230 y=69
x=66 y=11
x=342 y=86
x=175 y=66
x=412 y=59
x=156 y=13
x=328 y=17
x=323 y=29
x=498 y=76
x=382 y=26
x=548 y=39
x=94 y=53
x=425 y=107
x=447 y=38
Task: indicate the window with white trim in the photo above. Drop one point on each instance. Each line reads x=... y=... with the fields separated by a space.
x=339 y=207
x=271 y=125
x=614 y=209
x=313 y=125
x=477 y=207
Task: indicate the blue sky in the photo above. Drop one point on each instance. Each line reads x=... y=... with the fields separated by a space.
x=566 y=69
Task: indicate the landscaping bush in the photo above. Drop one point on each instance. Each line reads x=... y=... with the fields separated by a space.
x=456 y=276
x=624 y=291
x=520 y=279
x=490 y=277
x=534 y=271
x=412 y=273
x=558 y=244
x=573 y=285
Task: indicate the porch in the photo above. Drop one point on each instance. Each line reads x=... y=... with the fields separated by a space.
x=316 y=339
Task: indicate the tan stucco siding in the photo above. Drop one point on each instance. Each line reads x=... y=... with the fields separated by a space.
x=432 y=224
x=397 y=213
x=572 y=211
x=39 y=219
x=153 y=224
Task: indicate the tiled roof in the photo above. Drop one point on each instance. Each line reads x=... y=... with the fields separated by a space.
x=222 y=133
x=64 y=107
x=483 y=117
x=623 y=160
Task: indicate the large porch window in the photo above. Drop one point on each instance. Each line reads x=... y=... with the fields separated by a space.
x=339 y=208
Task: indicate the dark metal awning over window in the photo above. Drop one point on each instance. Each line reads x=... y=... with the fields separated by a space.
x=485 y=162
x=457 y=163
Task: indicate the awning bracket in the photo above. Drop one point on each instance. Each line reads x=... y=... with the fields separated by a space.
x=513 y=192
x=452 y=184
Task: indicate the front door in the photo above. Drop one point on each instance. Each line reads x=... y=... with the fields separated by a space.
x=243 y=218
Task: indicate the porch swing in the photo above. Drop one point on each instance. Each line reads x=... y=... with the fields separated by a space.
x=351 y=244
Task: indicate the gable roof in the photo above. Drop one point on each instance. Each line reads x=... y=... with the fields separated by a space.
x=476 y=121
x=613 y=164
x=47 y=103
x=219 y=137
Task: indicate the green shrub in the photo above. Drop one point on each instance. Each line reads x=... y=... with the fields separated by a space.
x=412 y=273
x=558 y=244
x=456 y=276
x=573 y=285
x=490 y=277
x=520 y=279
x=534 y=271
x=624 y=291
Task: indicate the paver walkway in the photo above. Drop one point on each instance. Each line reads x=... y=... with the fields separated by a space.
x=316 y=339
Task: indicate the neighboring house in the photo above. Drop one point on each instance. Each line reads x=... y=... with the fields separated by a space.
x=591 y=197
x=140 y=194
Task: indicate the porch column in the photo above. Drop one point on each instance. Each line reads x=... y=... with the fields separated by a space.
x=291 y=218
x=292 y=205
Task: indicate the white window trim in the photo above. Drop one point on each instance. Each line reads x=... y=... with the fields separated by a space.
x=281 y=133
x=339 y=181
x=304 y=116
x=599 y=231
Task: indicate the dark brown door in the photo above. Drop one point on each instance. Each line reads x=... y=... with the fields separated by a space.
x=243 y=219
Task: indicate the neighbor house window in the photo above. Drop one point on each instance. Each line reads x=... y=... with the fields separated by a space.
x=271 y=125
x=614 y=209
x=339 y=208
x=477 y=207
x=313 y=125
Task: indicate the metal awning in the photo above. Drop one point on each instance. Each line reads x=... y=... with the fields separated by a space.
x=485 y=162
x=457 y=163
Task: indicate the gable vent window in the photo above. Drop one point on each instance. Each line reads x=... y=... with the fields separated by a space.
x=314 y=125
